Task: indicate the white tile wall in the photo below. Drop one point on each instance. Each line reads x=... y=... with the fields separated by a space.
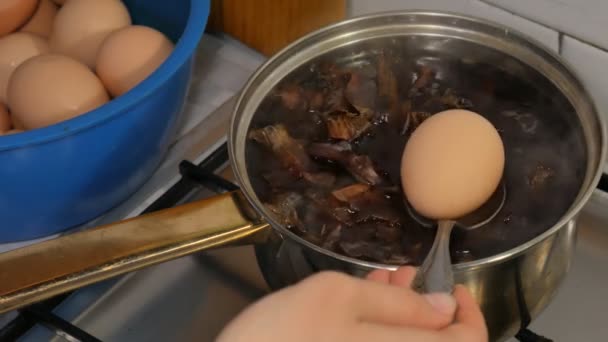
x=585 y=19
x=591 y=64
x=475 y=8
x=222 y=67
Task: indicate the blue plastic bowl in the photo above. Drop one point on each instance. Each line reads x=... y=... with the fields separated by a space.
x=60 y=176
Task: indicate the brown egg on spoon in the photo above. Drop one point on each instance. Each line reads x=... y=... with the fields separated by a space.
x=452 y=166
x=15 y=13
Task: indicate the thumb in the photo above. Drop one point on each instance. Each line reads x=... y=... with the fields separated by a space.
x=395 y=305
x=442 y=302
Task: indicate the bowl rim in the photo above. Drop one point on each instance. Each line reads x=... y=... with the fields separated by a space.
x=241 y=174
x=186 y=44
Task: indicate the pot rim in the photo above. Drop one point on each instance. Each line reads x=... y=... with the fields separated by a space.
x=237 y=129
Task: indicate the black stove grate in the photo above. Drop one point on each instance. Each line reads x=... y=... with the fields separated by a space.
x=193 y=177
x=191 y=180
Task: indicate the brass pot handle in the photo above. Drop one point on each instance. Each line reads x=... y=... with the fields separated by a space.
x=49 y=268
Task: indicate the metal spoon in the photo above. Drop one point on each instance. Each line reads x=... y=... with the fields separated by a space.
x=435 y=274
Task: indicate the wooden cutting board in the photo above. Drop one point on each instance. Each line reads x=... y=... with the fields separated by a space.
x=270 y=25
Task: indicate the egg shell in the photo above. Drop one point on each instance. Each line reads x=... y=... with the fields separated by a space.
x=49 y=88
x=82 y=25
x=452 y=164
x=129 y=55
x=16 y=123
x=5 y=119
x=13 y=131
x=14 y=13
x=41 y=23
x=15 y=49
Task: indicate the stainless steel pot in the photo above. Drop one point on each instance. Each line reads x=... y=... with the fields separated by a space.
x=511 y=287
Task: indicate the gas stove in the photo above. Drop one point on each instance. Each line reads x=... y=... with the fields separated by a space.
x=192 y=298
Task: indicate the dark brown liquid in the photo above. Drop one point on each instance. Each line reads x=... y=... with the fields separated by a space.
x=545 y=149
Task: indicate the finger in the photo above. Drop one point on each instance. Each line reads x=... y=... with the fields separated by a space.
x=365 y=332
x=388 y=304
x=381 y=276
x=403 y=276
x=469 y=320
x=469 y=312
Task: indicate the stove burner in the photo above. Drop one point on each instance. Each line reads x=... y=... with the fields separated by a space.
x=526 y=335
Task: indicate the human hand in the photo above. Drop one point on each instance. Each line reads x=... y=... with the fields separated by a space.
x=331 y=306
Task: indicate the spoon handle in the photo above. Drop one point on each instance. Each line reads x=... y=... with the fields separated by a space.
x=435 y=274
